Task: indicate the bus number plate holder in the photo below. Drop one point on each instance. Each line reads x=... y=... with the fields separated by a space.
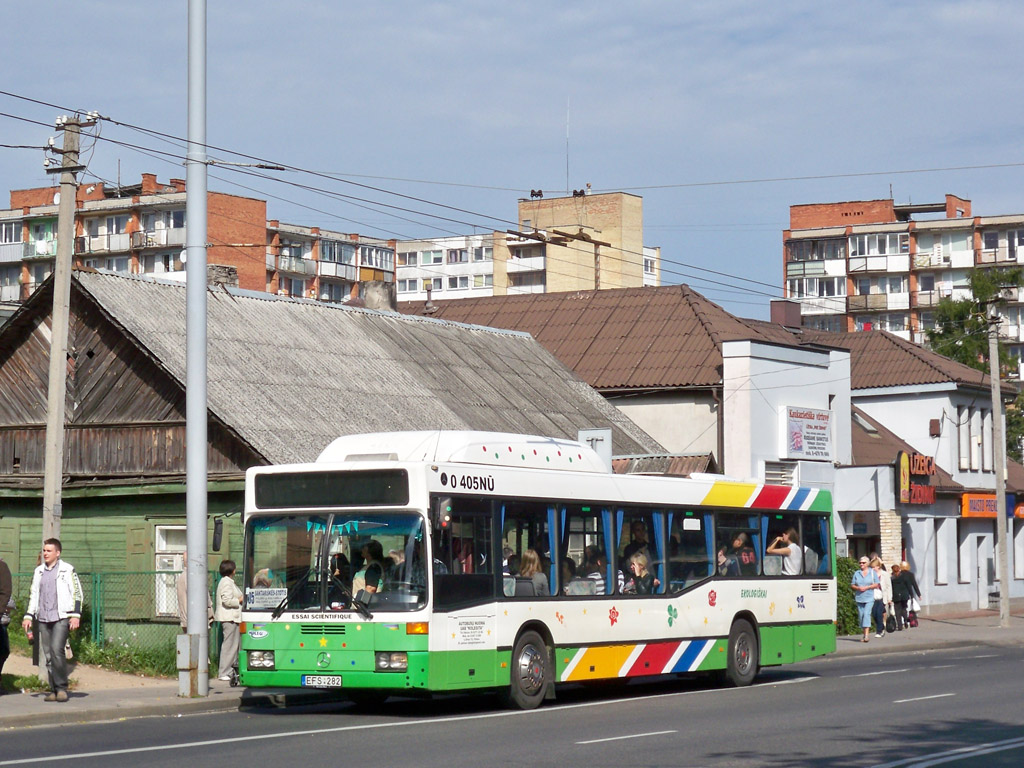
x=321 y=681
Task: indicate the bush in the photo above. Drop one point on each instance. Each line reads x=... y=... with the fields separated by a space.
x=847 y=619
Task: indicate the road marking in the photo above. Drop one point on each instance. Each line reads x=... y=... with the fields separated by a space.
x=373 y=726
x=960 y=753
x=631 y=736
x=871 y=674
x=924 y=698
x=942 y=666
x=986 y=656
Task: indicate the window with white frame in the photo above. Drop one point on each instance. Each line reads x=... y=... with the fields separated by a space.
x=835 y=323
x=458 y=256
x=816 y=250
x=157 y=263
x=989 y=241
x=927 y=320
x=963 y=551
x=433 y=284
x=412 y=285
x=896 y=284
x=1014 y=242
x=117 y=225
x=892 y=322
x=176 y=219
x=939 y=550
x=10 y=231
x=943 y=242
x=431 y=257
x=333 y=291
x=483 y=253
x=963 y=423
x=293 y=248
x=376 y=257
x=483 y=281
x=648 y=265
x=337 y=252
x=926 y=282
x=459 y=282
x=976 y=439
x=883 y=244
x=294 y=287
x=407 y=258
x=986 y=441
x=170 y=559
x=863 y=286
x=864 y=322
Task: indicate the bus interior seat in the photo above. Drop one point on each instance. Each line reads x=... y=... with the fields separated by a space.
x=525 y=588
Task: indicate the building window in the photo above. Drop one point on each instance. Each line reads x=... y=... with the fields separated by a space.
x=292 y=248
x=648 y=266
x=963 y=424
x=408 y=286
x=458 y=256
x=337 y=252
x=432 y=257
x=896 y=284
x=864 y=322
x=879 y=245
x=333 y=292
x=407 y=259
x=863 y=286
x=484 y=253
x=926 y=282
x=462 y=281
x=10 y=231
x=483 y=281
x=989 y=241
x=170 y=551
x=963 y=551
x=432 y=284
x=939 y=551
x=117 y=225
x=816 y=250
x=294 y=287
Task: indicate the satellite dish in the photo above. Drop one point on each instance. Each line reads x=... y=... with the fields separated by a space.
x=56 y=198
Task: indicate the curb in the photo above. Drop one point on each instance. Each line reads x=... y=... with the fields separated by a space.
x=167 y=708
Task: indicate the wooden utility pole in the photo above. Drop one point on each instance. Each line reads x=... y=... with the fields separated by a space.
x=53 y=471
x=584 y=237
x=999 y=454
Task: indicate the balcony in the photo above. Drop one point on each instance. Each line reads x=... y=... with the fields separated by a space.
x=11 y=252
x=525 y=264
x=271 y=262
x=822 y=305
x=931 y=259
x=896 y=262
x=870 y=301
x=40 y=249
x=10 y=292
x=929 y=298
x=296 y=266
x=103 y=243
x=805 y=268
x=158 y=238
x=336 y=270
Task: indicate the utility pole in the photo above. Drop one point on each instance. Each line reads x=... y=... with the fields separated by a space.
x=584 y=237
x=193 y=647
x=53 y=468
x=999 y=454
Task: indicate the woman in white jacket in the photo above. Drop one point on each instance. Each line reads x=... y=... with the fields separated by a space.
x=229 y=613
x=883 y=596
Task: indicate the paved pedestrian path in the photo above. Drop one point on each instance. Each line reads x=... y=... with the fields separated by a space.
x=100 y=694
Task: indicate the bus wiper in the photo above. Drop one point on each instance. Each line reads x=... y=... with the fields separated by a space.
x=361 y=608
x=291 y=593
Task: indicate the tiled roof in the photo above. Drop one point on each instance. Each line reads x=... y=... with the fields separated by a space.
x=681 y=465
x=290 y=376
x=629 y=338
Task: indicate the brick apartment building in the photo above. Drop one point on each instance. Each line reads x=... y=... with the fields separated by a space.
x=581 y=242
x=140 y=229
x=874 y=264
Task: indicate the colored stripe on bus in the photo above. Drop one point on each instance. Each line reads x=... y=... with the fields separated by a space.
x=729 y=495
x=692 y=656
x=609 y=661
x=653 y=659
x=797 y=502
x=772 y=497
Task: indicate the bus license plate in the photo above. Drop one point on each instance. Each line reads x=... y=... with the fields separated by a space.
x=321 y=681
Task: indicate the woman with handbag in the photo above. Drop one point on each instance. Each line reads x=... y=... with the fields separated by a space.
x=882 y=595
x=915 y=592
x=864 y=583
x=900 y=595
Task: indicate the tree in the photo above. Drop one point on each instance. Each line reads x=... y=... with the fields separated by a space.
x=961 y=334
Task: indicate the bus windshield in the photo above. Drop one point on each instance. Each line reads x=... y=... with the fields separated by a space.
x=320 y=562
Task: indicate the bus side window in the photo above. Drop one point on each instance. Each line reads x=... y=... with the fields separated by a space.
x=583 y=534
x=817 y=553
x=528 y=532
x=689 y=548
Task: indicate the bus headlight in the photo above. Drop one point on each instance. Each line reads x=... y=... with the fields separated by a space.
x=391 y=662
x=261 y=660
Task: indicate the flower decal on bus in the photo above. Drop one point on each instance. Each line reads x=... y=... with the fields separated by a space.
x=712 y=598
x=673 y=614
x=560 y=617
x=613 y=615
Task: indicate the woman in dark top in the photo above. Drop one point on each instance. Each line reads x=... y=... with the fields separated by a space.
x=643 y=580
x=907 y=577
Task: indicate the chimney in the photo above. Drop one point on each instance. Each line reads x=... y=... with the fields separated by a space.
x=149 y=186
x=222 y=274
x=378 y=294
x=178 y=184
x=785 y=313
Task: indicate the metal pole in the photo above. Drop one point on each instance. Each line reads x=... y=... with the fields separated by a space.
x=53 y=469
x=999 y=454
x=193 y=679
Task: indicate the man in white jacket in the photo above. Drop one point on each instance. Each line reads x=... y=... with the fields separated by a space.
x=55 y=602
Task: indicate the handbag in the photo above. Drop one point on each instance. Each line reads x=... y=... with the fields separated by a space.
x=877 y=594
x=914 y=605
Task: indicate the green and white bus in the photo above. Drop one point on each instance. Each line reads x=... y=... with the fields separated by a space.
x=391 y=566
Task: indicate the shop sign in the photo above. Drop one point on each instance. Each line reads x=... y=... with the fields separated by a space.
x=909 y=466
x=984 y=505
x=807 y=434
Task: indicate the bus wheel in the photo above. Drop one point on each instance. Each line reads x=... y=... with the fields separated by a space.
x=742 y=662
x=531 y=669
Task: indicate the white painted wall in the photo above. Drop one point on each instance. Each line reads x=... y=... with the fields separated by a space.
x=684 y=421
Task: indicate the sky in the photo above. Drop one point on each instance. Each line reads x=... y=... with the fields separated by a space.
x=720 y=114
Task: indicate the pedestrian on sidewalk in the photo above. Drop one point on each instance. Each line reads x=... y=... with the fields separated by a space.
x=900 y=595
x=882 y=595
x=915 y=591
x=229 y=614
x=55 y=602
x=6 y=605
x=864 y=584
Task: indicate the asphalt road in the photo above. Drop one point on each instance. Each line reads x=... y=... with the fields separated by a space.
x=958 y=707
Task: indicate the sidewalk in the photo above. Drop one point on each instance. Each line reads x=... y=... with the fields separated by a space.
x=105 y=695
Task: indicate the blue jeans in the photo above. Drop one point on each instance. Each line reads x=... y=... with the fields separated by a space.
x=53 y=635
x=864 y=611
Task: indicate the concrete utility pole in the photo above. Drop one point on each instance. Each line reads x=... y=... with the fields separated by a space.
x=53 y=468
x=193 y=647
x=999 y=454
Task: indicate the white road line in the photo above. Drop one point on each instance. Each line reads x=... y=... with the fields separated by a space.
x=959 y=753
x=924 y=698
x=871 y=674
x=370 y=726
x=986 y=656
x=942 y=666
x=630 y=736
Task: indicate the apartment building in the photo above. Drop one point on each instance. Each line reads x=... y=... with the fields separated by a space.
x=580 y=242
x=877 y=265
x=140 y=229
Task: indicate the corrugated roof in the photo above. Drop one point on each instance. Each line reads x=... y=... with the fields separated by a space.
x=682 y=465
x=629 y=338
x=290 y=376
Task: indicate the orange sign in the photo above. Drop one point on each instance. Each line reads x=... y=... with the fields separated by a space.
x=978 y=505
